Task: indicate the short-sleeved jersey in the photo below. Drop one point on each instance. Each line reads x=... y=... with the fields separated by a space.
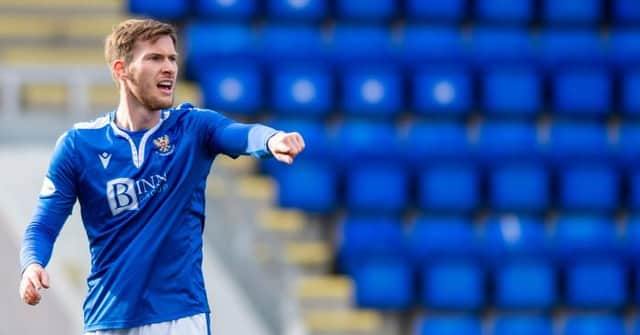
x=143 y=207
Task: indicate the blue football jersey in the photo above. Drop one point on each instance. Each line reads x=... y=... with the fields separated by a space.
x=143 y=206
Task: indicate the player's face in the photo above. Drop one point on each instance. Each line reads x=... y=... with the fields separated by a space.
x=151 y=75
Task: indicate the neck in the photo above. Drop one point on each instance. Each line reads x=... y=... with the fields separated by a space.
x=131 y=115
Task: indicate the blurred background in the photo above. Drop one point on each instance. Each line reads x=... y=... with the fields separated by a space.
x=472 y=166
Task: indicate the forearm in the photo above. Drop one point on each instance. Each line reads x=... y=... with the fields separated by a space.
x=246 y=139
x=38 y=241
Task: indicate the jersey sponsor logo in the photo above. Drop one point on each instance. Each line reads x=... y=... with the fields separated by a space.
x=163 y=144
x=48 y=188
x=105 y=157
x=125 y=194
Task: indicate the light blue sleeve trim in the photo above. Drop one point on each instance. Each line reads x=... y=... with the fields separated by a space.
x=257 y=141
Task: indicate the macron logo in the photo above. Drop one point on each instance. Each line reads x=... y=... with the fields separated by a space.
x=105 y=157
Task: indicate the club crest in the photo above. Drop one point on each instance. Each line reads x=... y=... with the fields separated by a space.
x=163 y=145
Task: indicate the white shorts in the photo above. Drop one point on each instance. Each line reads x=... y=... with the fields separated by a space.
x=191 y=325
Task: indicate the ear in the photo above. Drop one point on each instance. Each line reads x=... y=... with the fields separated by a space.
x=118 y=68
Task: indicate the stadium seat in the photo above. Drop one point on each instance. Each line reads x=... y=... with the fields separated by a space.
x=573 y=142
x=432 y=238
x=452 y=10
x=519 y=187
x=301 y=91
x=384 y=285
x=522 y=325
x=297 y=10
x=512 y=92
x=506 y=141
x=560 y=48
x=497 y=47
x=361 y=142
x=372 y=92
x=422 y=45
x=232 y=87
x=569 y=96
x=626 y=12
x=453 y=285
x=225 y=9
x=572 y=11
x=608 y=276
x=631 y=238
x=583 y=237
x=287 y=44
x=629 y=90
x=537 y=276
x=589 y=187
x=377 y=187
x=428 y=142
x=165 y=10
x=364 y=238
x=505 y=11
x=442 y=92
x=635 y=330
x=366 y=10
x=624 y=47
x=448 y=187
x=207 y=43
x=309 y=185
x=353 y=44
x=448 y=325
x=627 y=149
x=514 y=238
x=593 y=324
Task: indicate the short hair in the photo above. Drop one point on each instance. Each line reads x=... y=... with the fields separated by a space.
x=119 y=44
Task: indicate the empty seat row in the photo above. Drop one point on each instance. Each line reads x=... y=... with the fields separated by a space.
x=526 y=324
x=502 y=11
x=316 y=92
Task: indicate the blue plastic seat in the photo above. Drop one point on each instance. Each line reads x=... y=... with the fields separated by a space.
x=452 y=10
x=516 y=91
x=430 y=239
x=607 y=276
x=366 y=10
x=448 y=325
x=505 y=11
x=537 y=276
x=625 y=48
x=429 y=142
x=631 y=238
x=560 y=48
x=306 y=10
x=514 y=238
x=493 y=46
x=453 y=285
x=363 y=238
x=519 y=187
x=360 y=142
x=626 y=12
x=572 y=11
x=630 y=97
x=627 y=149
x=384 y=285
x=503 y=141
x=165 y=10
x=448 y=187
x=225 y=9
x=380 y=187
x=593 y=324
x=442 y=91
x=569 y=92
x=232 y=87
x=309 y=185
x=584 y=237
x=635 y=330
x=372 y=91
x=207 y=44
x=522 y=325
x=301 y=91
x=284 y=44
x=424 y=45
x=574 y=142
x=360 y=45
x=589 y=187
